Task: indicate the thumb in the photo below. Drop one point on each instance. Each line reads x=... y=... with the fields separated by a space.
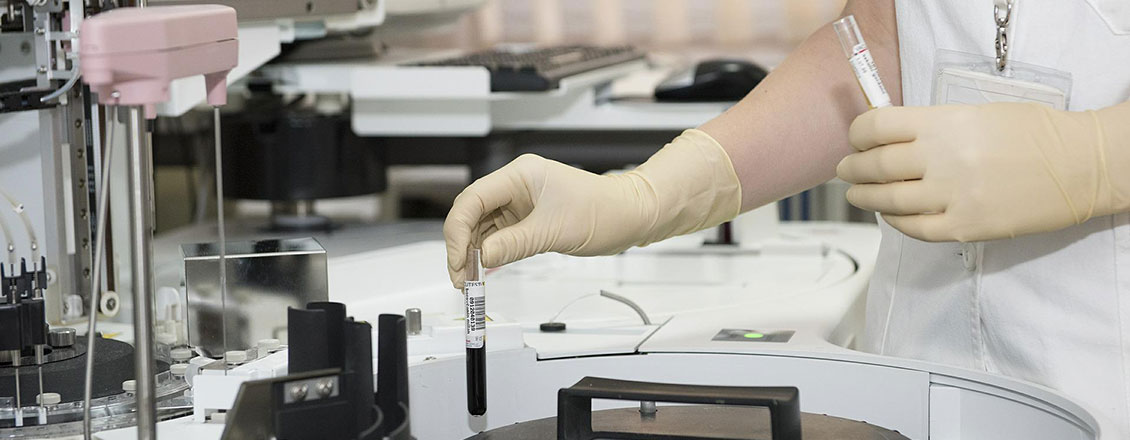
x=457 y=277
x=522 y=240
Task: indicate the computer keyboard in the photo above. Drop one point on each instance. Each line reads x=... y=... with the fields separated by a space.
x=539 y=69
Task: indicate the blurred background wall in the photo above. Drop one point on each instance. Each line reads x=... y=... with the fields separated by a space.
x=666 y=25
x=674 y=32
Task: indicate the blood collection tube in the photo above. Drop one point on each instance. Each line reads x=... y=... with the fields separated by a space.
x=474 y=292
x=851 y=40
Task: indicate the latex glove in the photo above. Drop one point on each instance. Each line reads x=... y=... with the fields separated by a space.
x=972 y=173
x=534 y=205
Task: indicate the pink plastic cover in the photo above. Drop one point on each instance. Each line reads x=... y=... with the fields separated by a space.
x=129 y=55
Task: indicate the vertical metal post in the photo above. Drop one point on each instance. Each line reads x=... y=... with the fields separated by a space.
x=222 y=233
x=16 y=355
x=141 y=233
x=39 y=396
x=65 y=204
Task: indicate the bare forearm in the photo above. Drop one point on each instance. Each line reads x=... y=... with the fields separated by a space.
x=789 y=133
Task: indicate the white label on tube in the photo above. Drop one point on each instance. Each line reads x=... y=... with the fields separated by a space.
x=868 y=75
x=475 y=293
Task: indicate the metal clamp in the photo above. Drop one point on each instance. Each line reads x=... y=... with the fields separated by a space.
x=574 y=405
x=1003 y=19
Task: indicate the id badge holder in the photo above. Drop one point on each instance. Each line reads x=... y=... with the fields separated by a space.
x=963 y=78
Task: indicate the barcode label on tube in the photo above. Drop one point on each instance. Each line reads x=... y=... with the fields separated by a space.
x=868 y=74
x=476 y=302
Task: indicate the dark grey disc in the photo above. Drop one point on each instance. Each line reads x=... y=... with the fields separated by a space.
x=730 y=422
x=552 y=327
x=64 y=371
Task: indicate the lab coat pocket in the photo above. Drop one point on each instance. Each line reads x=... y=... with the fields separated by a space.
x=1116 y=14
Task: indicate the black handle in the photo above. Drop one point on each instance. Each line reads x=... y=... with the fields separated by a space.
x=574 y=404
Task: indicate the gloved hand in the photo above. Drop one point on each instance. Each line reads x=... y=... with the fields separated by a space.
x=973 y=173
x=534 y=205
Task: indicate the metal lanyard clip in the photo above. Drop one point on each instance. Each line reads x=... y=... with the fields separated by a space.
x=1002 y=19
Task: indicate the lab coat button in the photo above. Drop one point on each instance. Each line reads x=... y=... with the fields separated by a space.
x=969 y=256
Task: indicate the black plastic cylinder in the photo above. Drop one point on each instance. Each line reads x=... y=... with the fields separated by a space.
x=335 y=331
x=10 y=338
x=359 y=359
x=307 y=340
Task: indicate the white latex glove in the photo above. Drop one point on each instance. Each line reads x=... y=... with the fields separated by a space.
x=972 y=173
x=534 y=205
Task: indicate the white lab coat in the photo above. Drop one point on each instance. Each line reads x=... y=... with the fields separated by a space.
x=1051 y=308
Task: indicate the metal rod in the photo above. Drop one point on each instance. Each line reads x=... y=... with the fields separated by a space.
x=96 y=273
x=39 y=370
x=222 y=234
x=16 y=354
x=38 y=294
x=141 y=251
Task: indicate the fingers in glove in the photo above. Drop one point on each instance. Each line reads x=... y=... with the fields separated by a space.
x=521 y=240
x=458 y=274
x=471 y=206
x=882 y=126
x=889 y=163
x=457 y=277
x=897 y=198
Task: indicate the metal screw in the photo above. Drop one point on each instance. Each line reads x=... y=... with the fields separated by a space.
x=78 y=153
x=86 y=272
x=82 y=213
x=25 y=47
x=39 y=31
x=41 y=69
x=85 y=243
x=325 y=387
x=647 y=409
x=298 y=392
x=413 y=320
x=78 y=123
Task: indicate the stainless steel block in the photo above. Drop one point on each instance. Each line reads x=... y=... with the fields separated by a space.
x=263 y=279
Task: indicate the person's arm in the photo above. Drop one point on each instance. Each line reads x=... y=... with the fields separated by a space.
x=788 y=135
x=790 y=132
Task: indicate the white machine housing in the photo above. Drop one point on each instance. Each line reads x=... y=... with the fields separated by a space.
x=806 y=280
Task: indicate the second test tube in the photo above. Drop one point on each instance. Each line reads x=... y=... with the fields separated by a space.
x=866 y=72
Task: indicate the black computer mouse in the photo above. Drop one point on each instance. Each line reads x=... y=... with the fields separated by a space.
x=711 y=80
